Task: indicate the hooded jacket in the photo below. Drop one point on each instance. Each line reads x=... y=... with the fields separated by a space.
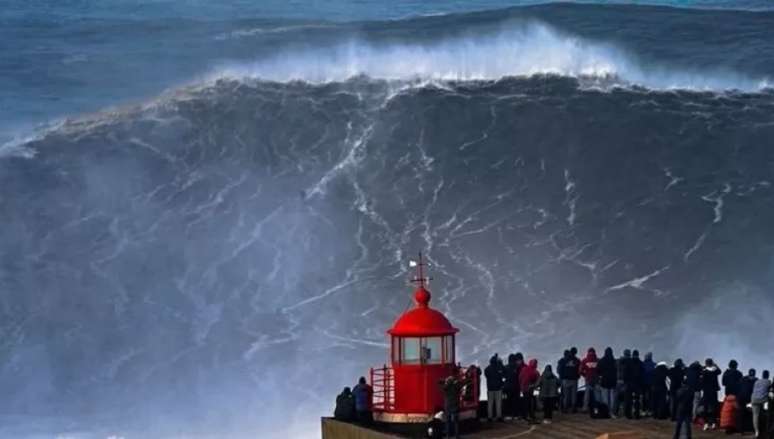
x=732 y=378
x=345 y=406
x=607 y=370
x=633 y=373
x=494 y=375
x=676 y=376
x=549 y=384
x=362 y=393
x=529 y=376
x=571 y=368
x=588 y=367
x=511 y=375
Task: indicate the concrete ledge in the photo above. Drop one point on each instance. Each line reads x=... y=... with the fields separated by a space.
x=333 y=429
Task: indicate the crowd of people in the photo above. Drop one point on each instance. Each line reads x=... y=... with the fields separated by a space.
x=612 y=387
x=632 y=387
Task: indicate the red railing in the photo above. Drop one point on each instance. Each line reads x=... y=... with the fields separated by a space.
x=383 y=384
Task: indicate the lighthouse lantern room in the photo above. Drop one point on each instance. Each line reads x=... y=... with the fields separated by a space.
x=422 y=354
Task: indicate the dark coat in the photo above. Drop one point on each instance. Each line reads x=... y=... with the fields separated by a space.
x=345 y=406
x=676 y=376
x=634 y=375
x=608 y=373
x=746 y=389
x=693 y=377
x=571 y=369
x=452 y=390
x=732 y=378
x=658 y=381
x=495 y=376
x=709 y=379
x=685 y=402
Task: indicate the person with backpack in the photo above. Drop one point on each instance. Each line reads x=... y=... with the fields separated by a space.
x=608 y=380
x=549 y=393
x=588 y=370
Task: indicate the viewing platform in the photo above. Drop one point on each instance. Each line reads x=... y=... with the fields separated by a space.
x=565 y=427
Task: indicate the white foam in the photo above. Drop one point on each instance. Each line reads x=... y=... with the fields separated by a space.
x=517 y=49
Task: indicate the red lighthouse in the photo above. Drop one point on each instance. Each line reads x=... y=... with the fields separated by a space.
x=422 y=354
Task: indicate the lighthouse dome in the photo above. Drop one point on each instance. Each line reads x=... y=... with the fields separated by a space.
x=422 y=321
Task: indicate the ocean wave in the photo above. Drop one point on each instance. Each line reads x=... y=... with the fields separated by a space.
x=523 y=49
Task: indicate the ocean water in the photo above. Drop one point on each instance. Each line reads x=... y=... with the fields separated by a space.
x=208 y=208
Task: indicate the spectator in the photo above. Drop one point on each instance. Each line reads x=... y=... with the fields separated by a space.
x=494 y=388
x=608 y=379
x=588 y=369
x=549 y=393
x=648 y=367
x=676 y=378
x=693 y=380
x=621 y=365
x=511 y=387
x=684 y=411
x=363 y=396
x=452 y=390
x=710 y=389
x=528 y=380
x=570 y=376
x=658 y=391
x=345 y=406
x=633 y=383
x=745 y=398
x=732 y=378
x=760 y=396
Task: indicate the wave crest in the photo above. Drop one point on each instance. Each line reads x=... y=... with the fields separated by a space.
x=524 y=49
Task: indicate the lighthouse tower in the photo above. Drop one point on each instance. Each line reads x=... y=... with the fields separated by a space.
x=422 y=354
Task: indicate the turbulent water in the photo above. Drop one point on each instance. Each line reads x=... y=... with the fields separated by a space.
x=207 y=218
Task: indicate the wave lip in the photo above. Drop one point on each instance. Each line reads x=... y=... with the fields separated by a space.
x=524 y=49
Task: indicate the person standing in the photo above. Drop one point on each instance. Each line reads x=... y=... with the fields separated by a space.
x=648 y=367
x=745 y=398
x=588 y=370
x=549 y=393
x=345 y=406
x=760 y=396
x=528 y=380
x=452 y=390
x=560 y=372
x=693 y=380
x=363 y=396
x=622 y=364
x=658 y=391
x=570 y=376
x=633 y=382
x=676 y=378
x=732 y=378
x=683 y=411
x=710 y=388
x=608 y=379
x=510 y=387
x=494 y=389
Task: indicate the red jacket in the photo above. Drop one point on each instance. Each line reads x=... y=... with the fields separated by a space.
x=529 y=376
x=588 y=367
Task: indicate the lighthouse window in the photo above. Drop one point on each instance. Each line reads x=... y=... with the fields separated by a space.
x=410 y=350
x=448 y=349
x=431 y=348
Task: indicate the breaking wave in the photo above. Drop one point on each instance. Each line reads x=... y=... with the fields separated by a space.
x=527 y=49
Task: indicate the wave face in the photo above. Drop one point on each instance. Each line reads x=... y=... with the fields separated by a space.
x=220 y=260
